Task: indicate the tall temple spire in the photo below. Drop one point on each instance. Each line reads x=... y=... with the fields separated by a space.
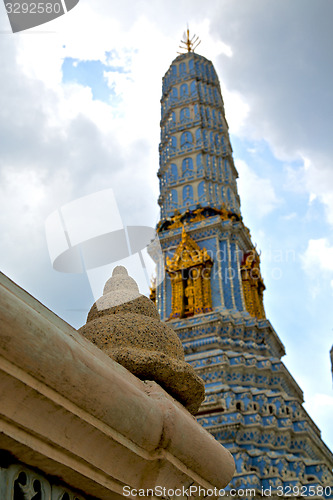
x=198 y=184
x=196 y=164
x=212 y=296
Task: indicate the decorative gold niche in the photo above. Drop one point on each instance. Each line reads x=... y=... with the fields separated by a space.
x=253 y=284
x=189 y=271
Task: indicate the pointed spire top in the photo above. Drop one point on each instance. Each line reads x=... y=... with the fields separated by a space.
x=187 y=43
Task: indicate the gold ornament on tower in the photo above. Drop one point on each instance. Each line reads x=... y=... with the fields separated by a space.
x=188 y=43
x=253 y=284
x=189 y=271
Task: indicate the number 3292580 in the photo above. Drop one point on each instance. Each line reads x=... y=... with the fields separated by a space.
x=33 y=8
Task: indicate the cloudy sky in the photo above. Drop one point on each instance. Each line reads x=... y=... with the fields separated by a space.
x=79 y=112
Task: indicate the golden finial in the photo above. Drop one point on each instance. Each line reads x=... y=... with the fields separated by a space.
x=189 y=44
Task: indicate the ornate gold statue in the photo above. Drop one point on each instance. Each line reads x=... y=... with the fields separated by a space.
x=189 y=294
x=189 y=271
x=253 y=284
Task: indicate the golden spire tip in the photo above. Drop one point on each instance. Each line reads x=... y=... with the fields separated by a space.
x=189 y=44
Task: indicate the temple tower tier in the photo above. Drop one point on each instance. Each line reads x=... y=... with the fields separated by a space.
x=196 y=164
x=212 y=296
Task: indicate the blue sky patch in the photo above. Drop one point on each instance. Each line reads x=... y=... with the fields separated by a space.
x=90 y=74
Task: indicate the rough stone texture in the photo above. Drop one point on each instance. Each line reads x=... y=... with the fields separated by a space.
x=127 y=327
x=72 y=414
x=141 y=305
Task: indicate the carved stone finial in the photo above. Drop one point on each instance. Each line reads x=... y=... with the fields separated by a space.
x=127 y=327
x=119 y=289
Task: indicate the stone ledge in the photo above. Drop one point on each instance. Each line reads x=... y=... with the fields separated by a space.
x=73 y=412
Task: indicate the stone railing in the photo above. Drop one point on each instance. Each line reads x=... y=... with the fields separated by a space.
x=72 y=413
x=18 y=482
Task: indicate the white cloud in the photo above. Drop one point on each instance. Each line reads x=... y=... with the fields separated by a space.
x=322 y=402
x=320 y=408
x=327 y=200
x=285 y=83
x=314 y=177
x=237 y=110
x=318 y=180
x=292 y=215
x=317 y=262
x=257 y=194
x=295 y=179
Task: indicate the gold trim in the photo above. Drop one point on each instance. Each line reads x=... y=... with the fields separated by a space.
x=189 y=44
x=253 y=284
x=189 y=271
x=197 y=215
